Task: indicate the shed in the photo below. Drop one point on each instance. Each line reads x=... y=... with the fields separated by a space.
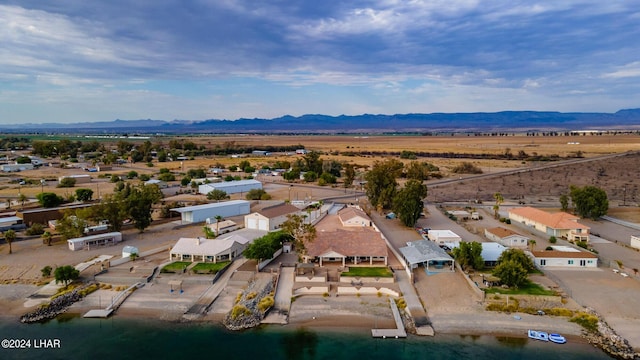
x=231 y=187
x=442 y=237
x=79 y=178
x=200 y=213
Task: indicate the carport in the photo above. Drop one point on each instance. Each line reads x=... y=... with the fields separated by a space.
x=428 y=254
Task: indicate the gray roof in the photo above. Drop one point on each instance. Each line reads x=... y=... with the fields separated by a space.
x=209 y=206
x=417 y=252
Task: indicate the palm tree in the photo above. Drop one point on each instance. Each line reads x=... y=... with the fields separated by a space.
x=218 y=219
x=46 y=236
x=499 y=200
x=9 y=237
x=532 y=243
x=22 y=198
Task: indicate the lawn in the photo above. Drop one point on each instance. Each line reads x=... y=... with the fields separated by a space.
x=176 y=266
x=368 y=272
x=209 y=268
x=529 y=288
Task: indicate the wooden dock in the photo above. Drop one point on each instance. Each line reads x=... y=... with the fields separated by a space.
x=398 y=332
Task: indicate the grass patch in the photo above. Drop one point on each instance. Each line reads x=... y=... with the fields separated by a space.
x=529 y=288
x=209 y=268
x=587 y=321
x=175 y=267
x=368 y=272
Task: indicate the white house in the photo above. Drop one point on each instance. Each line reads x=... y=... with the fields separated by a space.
x=213 y=250
x=223 y=226
x=506 y=237
x=270 y=218
x=87 y=242
x=16 y=167
x=564 y=257
x=200 y=213
x=231 y=187
x=441 y=237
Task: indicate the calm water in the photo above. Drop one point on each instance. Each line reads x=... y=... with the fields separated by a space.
x=148 y=339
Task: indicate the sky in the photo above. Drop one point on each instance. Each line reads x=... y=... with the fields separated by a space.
x=69 y=61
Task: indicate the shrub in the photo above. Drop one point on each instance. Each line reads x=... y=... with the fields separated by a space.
x=251 y=295
x=265 y=303
x=239 y=310
x=582 y=244
x=238 y=297
x=67 y=182
x=587 y=321
x=466 y=168
x=35 y=229
x=401 y=303
x=553 y=239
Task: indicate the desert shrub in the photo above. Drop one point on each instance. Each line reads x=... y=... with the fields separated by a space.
x=401 y=303
x=559 y=312
x=251 y=295
x=239 y=310
x=88 y=290
x=238 y=297
x=265 y=303
x=466 y=168
x=35 y=229
x=587 y=321
x=553 y=239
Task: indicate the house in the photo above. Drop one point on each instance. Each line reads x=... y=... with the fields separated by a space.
x=270 y=218
x=355 y=247
x=16 y=167
x=560 y=224
x=213 y=250
x=441 y=237
x=88 y=242
x=353 y=216
x=231 y=187
x=208 y=250
x=428 y=254
x=200 y=213
x=506 y=237
x=564 y=257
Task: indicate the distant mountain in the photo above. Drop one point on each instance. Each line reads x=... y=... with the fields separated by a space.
x=504 y=121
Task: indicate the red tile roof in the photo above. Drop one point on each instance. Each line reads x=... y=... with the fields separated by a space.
x=559 y=220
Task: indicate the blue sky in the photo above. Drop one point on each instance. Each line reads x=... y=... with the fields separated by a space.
x=87 y=60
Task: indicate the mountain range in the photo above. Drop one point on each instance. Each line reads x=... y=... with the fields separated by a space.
x=504 y=121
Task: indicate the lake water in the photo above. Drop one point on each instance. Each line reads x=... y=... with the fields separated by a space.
x=115 y=338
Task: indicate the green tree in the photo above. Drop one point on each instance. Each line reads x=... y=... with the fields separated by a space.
x=349 y=175
x=67 y=182
x=218 y=218
x=84 y=195
x=532 y=244
x=469 y=255
x=417 y=171
x=327 y=178
x=113 y=209
x=511 y=273
x=257 y=194
x=265 y=246
x=49 y=199
x=46 y=271
x=518 y=256
x=381 y=183
x=208 y=233
x=132 y=174
x=589 y=201
x=70 y=226
x=564 y=202
x=140 y=202
x=66 y=274
x=217 y=194
x=408 y=204
x=310 y=176
x=301 y=232
x=9 y=237
x=313 y=162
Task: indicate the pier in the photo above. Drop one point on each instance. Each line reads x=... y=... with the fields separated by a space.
x=398 y=332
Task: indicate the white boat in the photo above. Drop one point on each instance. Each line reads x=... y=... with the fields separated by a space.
x=557 y=338
x=538 y=335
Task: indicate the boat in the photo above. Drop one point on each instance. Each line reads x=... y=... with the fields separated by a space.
x=538 y=335
x=557 y=338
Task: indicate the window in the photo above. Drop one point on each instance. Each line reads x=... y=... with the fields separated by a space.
x=543 y=262
x=570 y=262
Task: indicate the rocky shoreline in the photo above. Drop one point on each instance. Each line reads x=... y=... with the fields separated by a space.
x=609 y=341
x=250 y=306
x=56 y=307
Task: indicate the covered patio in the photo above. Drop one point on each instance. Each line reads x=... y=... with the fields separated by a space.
x=428 y=254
